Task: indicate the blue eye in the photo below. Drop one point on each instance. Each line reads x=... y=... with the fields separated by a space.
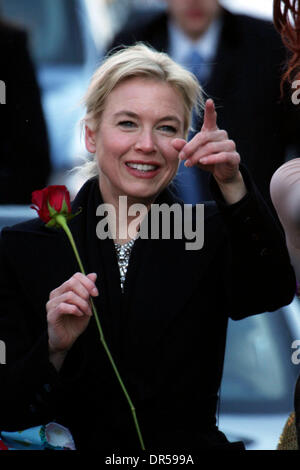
x=169 y=129
x=128 y=124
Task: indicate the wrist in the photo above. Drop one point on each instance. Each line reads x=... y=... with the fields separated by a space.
x=57 y=357
x=233 y=190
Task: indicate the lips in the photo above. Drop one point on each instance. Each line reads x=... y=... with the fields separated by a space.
x=142 y=166
x=142 y=169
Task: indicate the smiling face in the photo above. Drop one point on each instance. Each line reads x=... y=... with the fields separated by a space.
x=133 y=146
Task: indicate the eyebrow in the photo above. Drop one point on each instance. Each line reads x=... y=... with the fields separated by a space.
x=134 y=115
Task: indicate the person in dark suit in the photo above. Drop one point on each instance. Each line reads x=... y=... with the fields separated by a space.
x=164 y=319
x=24 y=148
x=240 y=67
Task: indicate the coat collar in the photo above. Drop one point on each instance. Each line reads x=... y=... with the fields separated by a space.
x=225 y=68
x=161 y=278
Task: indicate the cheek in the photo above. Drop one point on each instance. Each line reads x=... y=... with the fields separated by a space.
x=112 y=147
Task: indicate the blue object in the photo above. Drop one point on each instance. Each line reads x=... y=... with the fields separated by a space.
x=50 y=436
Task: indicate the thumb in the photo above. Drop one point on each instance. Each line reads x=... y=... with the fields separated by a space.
x=178 y=144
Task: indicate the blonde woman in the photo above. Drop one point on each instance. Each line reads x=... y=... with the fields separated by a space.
x=164 y=307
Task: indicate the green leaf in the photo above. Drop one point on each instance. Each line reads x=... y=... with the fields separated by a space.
x=64 y=208
x=71 y=216
x=52 y=211
x=52 y=223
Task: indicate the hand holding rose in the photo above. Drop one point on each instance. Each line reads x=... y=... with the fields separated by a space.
x=68 y=314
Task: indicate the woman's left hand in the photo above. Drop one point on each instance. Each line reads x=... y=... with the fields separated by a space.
x=212 y=150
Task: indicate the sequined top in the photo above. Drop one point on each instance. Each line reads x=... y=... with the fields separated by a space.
x=123 y=254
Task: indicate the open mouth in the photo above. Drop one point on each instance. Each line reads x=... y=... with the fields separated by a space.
x=143 y=170
x=142 y=167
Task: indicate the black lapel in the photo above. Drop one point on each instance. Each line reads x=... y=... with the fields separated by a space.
x=158 y=36
x=225 y=67
x=158 y=271
x=99 y=256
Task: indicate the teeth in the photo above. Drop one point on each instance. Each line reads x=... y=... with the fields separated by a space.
x=140 y=167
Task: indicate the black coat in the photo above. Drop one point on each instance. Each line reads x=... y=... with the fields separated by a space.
x=24 y=149
x=167 y=332
x=245 y=85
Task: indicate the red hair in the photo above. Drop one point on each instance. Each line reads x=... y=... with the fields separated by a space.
x=286 y=14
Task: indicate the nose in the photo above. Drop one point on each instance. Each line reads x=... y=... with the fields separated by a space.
x=145 y=142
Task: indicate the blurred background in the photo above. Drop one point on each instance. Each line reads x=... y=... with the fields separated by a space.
x=63 y=72
x=67 y=39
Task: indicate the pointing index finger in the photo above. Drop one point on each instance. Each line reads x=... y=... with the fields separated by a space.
x=210 y=116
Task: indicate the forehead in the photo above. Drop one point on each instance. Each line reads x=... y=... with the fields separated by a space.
x=142 y=94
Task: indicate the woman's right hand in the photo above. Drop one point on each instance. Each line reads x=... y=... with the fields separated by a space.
x=68 y=314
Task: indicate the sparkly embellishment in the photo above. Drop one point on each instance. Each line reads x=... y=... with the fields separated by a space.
x=123 y=254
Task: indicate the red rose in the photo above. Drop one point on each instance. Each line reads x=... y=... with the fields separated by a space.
x=2 y=445
x=51 y=201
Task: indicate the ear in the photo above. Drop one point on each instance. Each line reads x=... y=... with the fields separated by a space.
x=90 y=139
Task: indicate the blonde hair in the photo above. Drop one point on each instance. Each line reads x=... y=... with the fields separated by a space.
x=137 y=61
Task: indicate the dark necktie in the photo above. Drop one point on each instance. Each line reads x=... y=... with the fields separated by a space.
x=192 y=183
x=196 y=65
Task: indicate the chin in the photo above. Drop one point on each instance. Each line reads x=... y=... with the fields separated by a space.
x=142 y=196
